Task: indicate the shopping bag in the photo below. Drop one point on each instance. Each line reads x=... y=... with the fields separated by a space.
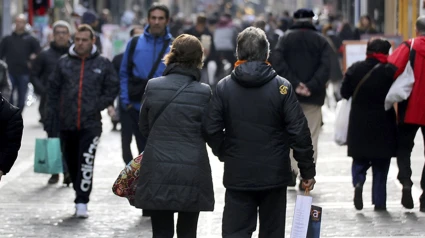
x=126 y=183
x=314 y=222
x=402 y=87
x=48 y=156
x=301 y=216
x=343 y=109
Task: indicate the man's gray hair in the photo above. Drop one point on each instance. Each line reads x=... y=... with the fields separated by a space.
x=252 y=45
x=61 y=23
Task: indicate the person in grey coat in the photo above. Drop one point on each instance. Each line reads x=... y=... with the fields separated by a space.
x=175 y=173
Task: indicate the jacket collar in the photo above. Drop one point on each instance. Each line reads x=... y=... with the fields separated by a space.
x=94 y=52
x=166 y=36
x=174 y=68
x=62 y=50
x=253 y=74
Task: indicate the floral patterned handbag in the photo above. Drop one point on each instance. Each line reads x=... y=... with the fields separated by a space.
x=126 y=183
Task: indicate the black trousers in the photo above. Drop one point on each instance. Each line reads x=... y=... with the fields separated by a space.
x=380 y=168
x=79 y=150
x=163 y=224
x=406 y=137
x=129 y=127
x=240 y=213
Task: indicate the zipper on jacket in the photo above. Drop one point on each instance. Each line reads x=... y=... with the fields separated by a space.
x=80 y=94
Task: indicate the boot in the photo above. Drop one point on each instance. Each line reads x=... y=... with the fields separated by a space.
x=358 y=197
x=67 y=179
x=406 y=197
x=54 y=179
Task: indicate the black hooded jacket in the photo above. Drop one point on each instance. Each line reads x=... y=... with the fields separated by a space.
x=253 y=120
x=303 y=55
x=79 y=89
x=44 y=65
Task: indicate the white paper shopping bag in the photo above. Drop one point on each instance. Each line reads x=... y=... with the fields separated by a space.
x=301 y=216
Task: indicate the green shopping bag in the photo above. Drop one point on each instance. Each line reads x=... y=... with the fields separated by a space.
x=48 y=156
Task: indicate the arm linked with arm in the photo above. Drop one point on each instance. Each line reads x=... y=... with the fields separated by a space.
x=299 y=134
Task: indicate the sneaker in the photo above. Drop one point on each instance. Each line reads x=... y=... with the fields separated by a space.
x=358 y=197
x=406 y=198
x=54 y=179
x=81 y=210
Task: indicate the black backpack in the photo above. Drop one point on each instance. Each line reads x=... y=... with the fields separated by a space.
x=136 y=86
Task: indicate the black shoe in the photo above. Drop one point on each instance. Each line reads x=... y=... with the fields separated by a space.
x=406 y=198
x=358 y=197
x=380 y=208
x=54 y=179
x=293 y=183
x=67 y=179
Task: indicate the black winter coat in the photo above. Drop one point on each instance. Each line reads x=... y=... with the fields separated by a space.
x=175 y=173
x=11 y=128
x=79 y=89
x=253 y=120
x=372 y=131
x=302 y=55
x=44 y=65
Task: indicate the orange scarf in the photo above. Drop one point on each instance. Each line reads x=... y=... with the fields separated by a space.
x=239 y=62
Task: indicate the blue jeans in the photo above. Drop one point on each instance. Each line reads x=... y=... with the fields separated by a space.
x=20 y=84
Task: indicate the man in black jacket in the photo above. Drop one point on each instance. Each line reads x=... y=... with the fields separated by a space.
x=11 y=128
x=81 y=86
x=302 y=56
x=253 y=120
x=18 y=49
x=41 y=69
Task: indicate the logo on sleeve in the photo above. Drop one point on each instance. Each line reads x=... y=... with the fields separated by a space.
x=283 y=90
x=97 y=71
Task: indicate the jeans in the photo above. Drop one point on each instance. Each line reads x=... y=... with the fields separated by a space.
x=19 y=84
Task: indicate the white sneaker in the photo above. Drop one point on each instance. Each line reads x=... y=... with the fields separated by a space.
x=81 y=210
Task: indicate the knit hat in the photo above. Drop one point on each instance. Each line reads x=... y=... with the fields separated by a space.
x=89 y=17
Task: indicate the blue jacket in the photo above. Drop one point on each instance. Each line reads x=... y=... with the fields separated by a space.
x=147 y=50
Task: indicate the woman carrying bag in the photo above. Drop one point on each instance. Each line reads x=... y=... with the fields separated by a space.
x=372 y=130
x=175 y=173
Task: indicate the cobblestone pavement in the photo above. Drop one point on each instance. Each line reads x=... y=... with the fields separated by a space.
x=31 y=208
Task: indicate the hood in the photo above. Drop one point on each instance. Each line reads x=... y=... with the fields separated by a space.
x=303 y=25
x=418 y=45
x=174 y=68
x=148 y=35
x=94 y=52
x=253 y=74
x=61 y=50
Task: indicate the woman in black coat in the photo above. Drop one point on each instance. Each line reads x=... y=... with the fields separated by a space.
x=175 y=174
x=372 y=130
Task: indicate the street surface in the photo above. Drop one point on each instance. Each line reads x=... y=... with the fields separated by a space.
x=31 y=208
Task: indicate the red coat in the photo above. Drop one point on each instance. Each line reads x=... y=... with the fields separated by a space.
x=415 y=112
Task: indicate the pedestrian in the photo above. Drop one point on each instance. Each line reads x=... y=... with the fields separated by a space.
x=90 y=18
x=372 y=131
x=126 y=129
x=253 y=120
x=410 y=111
x=175 y=175
x=18 y=49
x=141 y=62
x=5 y=84
x=11 y=129
x=81 y=86
x=365 y=26
x=303 y=56
x=41 y=69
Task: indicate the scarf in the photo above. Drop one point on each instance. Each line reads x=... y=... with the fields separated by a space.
x=239 y=62
x=383 y=58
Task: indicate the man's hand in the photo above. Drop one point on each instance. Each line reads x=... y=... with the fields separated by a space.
x=1 y=174
x=308 y=183
x=303 y=90
x=111 y=111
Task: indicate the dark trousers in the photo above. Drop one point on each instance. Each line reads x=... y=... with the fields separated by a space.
x=19 y=84
x=406 y=137
x=380 y=168
x=129 y=127
x=240 y=213
x=42 y=107
x=79 y=150
x=163 y=224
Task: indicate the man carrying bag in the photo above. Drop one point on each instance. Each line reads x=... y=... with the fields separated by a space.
x=142 y=61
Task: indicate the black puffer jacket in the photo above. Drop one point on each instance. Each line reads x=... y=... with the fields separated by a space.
x=175 y=173
x=11 y=128
x=302 y=55
x=253 y=120
x=79 y=89
x=44 y=65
